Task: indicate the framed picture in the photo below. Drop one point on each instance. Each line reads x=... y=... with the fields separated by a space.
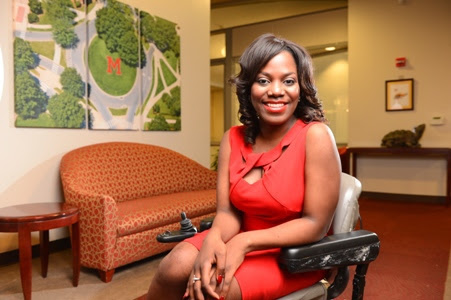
x=399 y=94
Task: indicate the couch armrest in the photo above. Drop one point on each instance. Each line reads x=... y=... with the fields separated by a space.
x=98 y=226
x=342 y=249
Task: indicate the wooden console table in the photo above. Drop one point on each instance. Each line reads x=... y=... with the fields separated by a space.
x=24 y=219
x=445 y=153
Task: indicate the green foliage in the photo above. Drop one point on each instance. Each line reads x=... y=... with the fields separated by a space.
x=177 y=125
x=115 y=25
x=128 y=49
x=24 y=58
x=214 y=163
x=61 y=18
x=72 y=82
x=161 y=32
x=58 y=10
x=64 y=33
x=33 y=18
x=175 y=105
x=158 y=124
x=156 y=108
x=30 y=100
x=35 y=6
x=66 y=111
x=172 y=59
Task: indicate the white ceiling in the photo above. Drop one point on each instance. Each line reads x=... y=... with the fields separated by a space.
x=234 y=13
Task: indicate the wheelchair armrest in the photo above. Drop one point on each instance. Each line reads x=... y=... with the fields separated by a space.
x=342 y=249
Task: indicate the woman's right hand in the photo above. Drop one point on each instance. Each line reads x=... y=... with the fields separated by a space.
x=211 y=255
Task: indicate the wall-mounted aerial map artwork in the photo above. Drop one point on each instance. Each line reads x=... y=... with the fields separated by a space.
x=95 y=64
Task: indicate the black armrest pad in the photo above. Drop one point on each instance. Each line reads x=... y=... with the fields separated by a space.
x=342 y=249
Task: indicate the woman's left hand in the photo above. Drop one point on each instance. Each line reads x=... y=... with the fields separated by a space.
x=237 y=248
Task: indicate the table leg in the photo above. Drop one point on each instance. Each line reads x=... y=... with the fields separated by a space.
x=25 y=260
x=76 y=253
x=44 y=251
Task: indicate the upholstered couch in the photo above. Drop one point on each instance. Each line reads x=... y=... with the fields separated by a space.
x=127 y=194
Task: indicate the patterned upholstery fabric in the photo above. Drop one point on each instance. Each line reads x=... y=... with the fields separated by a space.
x=128 y=193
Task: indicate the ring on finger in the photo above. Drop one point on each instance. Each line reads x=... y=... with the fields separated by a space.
x=196 y=279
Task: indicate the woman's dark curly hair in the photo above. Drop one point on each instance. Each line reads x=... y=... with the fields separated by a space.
x=254 y=58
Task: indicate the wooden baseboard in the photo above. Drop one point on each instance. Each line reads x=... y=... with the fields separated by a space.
x=12 y=257
x=404 y=197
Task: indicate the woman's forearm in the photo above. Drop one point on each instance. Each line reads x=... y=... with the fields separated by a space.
x=226 y=224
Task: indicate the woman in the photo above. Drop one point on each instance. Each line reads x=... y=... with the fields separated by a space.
x=278 y=185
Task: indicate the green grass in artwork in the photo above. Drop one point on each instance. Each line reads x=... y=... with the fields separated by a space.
x=160 y=86
x=46 y=49
x=118 y=111
x=101 y=61
x=44 y=120
x=167 y=73
x=164 y=110
x=91 y=5
x=63 y=58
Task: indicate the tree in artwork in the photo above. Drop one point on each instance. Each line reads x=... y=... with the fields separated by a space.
x=72 y=82
x=30 y=101
x=24 y=58
x=66 y=111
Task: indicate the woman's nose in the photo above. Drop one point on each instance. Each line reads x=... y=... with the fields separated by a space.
x=276 y=89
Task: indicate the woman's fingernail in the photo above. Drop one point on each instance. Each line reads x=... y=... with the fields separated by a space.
x=221 y=298
x=219 y=280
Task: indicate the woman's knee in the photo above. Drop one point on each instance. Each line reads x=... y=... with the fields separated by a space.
x=234 y=290
x=177 y=265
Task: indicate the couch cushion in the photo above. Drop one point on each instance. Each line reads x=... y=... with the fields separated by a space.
x=127 y=171
x=147 y=213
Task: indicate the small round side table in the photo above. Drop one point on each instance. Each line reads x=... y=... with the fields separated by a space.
x=42 y=217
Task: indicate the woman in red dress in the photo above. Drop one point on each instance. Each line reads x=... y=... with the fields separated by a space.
x=278 y=185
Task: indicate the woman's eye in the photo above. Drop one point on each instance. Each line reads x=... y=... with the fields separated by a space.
x=262 y=81
x=290 y=81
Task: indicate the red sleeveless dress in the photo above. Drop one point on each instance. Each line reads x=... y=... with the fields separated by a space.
x=274 y=199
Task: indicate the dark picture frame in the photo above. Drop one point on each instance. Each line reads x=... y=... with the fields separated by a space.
x=399 y=94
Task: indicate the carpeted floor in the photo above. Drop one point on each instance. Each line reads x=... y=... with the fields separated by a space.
x=129 y=282
x=413 y=263
x=415 y=250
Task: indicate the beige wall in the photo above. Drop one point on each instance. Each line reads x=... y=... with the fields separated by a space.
x=29 y=158
x=380 y=31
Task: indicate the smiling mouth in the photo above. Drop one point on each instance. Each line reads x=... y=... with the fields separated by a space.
x=275 y=107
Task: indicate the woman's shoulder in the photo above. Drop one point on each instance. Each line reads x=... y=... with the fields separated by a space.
x=318 y=129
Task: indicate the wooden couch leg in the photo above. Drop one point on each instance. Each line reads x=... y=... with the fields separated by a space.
x=106 y=276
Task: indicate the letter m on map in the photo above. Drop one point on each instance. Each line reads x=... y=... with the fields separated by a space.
x=114 y=65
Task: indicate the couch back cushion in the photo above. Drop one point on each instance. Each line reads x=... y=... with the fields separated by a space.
x=127 y=171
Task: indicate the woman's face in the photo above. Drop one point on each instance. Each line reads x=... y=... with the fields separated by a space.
x=275 y=92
